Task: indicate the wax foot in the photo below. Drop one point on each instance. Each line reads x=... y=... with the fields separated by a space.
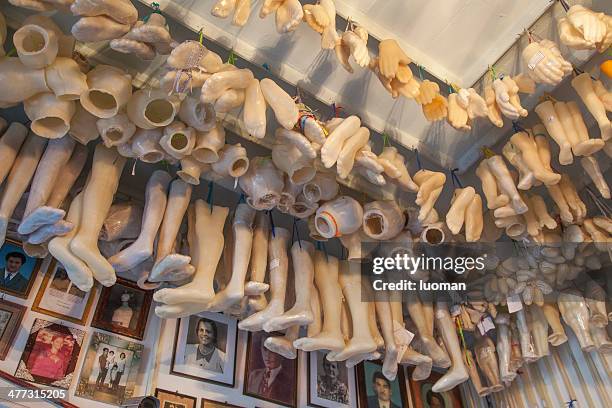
x=565 y=155
x=39 y=217
x=433 y=350
x=255 y=322
x=556 y=339
x=3 y=227
x=280 y=345
x=253 y=288
x=183 y=294
x=322 y=341
x=356 y=347
x=422 y=362
x=171 y=268
x=292 y=317
x=46 y=232
x=257 y=303
x=131 y=257
x=77 y=270
x=588 y=147
x=453 y=377
x=390 y=362
x=225 y=299
x=606 y=131
x=353 y=361
x=99 y=266
x=35 y=250
x=179 y=310
x=526 y=182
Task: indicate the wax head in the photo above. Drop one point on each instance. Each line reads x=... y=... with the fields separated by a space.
x=382 y=387
x=206 y=331
x=270 y=359
x=14 y=261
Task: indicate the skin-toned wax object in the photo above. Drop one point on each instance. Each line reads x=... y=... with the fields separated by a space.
x=68 y=176
x=36 y=46
x=10 y=143
x=255 y=287
x=242 y=244
x=430 y=186
x=330 y=152
x=19 y=178
x=548 y=115
x=531 y=157
x=383 y=313
x=457 y=373
x=382 y=220
x=155 y=207
x=591 y=167
x=254 y=113
x=169 y=265
x=503 y=347
x=575 y=314
x=151 y=108
x=220 y=82
x=455 y=217
x=262 y=183
x=97 y=200
x=50 y=116
x=583 y=146
x=470 y=363
x=208 y=144
x=539 y=328
x=326 y=280
x=36 y=214
x=506 y=183
x=198 y=115
x=583 y=84
x=341 y=216
x=301 y=313
x=208 y=238
x=487 y=361
x=109 y=90
x=279 y=265
x=233 y=161
x=77 y=270
x=293 y=154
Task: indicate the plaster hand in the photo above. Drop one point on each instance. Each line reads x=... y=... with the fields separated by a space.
x=427 y=92
x=285 y=109
x=391 y=56
x=329 y=37
x=169 y=265
x=502 y=97
x=221 y=82
x=588 y=23
x=571 y=37
x=495 y=199
x=288 y=16
x=548 y=115
x=223 y=8
x=437 y=109
x=476 y=105
x=430 y=186
x=494 y=115
x=254 y=113
x=350 y=148
x=545 y=63
x=513 y=91
x=99 y=28
x=354 y=43
x=336 y=139
x=457 y=115
x=316 y=17
x=97 y=200
x=583 y=84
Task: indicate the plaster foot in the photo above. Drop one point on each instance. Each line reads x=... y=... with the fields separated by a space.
x=46 y=232
x=418 y=314
x=457 y=372
x=529 y=152
x=591 y=167
x=548 y=116
x=422 y=362
x=40 y=217
x=283 y=345
x=383 y=312
x=77 y=270
x=155 y=206
x=279 y=264
x=456 y=214
x=252 y=288
x=97 y=200
x=301 y=313
x=601 y=340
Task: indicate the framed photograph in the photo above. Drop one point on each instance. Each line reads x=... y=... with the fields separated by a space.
x=374 y=387
x=169 y=399
x=123 y=309
x=50 y=354
x=423 y=397
x=330 y=383
x=214 y=404
x=17 y=270
x=205 y=348
x=59 y=297
x=269 y=376
x=110 y=369
x=10 y=320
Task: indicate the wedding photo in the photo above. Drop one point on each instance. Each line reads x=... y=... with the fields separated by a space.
x=50 y=354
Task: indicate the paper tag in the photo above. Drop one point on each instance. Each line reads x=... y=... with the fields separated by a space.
x=274 y=263
x=535 y=60
x=514 y=303
x=487 y=324
x=455 y=310
x=402 y=338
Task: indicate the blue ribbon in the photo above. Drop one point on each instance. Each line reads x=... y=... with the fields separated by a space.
x=296 y=231
x=455 y=178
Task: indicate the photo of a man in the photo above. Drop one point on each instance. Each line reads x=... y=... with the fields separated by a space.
x=382 y=392
x=10 y=276
x=205 y=354
x=270 y=375
x=329 y=382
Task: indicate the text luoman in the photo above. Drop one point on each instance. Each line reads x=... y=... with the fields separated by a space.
x=406 y=284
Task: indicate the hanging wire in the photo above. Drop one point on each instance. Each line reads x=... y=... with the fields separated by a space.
x=272 y=228
x=420 y=72
x=209 y=197
x=296 y=231
x=516 y=127
x=386 y=142
x=564 y=4
x=455 y=178
x=418 y=158
x=201 y=35
x=601 y=206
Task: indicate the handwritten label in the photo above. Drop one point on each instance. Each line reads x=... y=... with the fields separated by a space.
x=514 y=303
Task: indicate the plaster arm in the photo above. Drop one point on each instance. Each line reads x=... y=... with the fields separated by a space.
x=326 y=279
x=591 y=167
x=36 y=214
x=494 y=115
x=97 y=200
x=279 y=265
x=170 y=266
x=285 y=109
x=155 y=206
x=19 y=178
x=301 y=313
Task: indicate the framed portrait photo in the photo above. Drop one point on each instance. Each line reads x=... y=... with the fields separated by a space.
x=123 y=309
x=170 y=399
x=59 y=297
x=268 y=375
x=17 y=270
x=215 y=404
x=205 y=348
x=50 y=354
x=110 y=369
x=374 y=387
x=423 y=396
x=330 y=383
x=11 y=315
